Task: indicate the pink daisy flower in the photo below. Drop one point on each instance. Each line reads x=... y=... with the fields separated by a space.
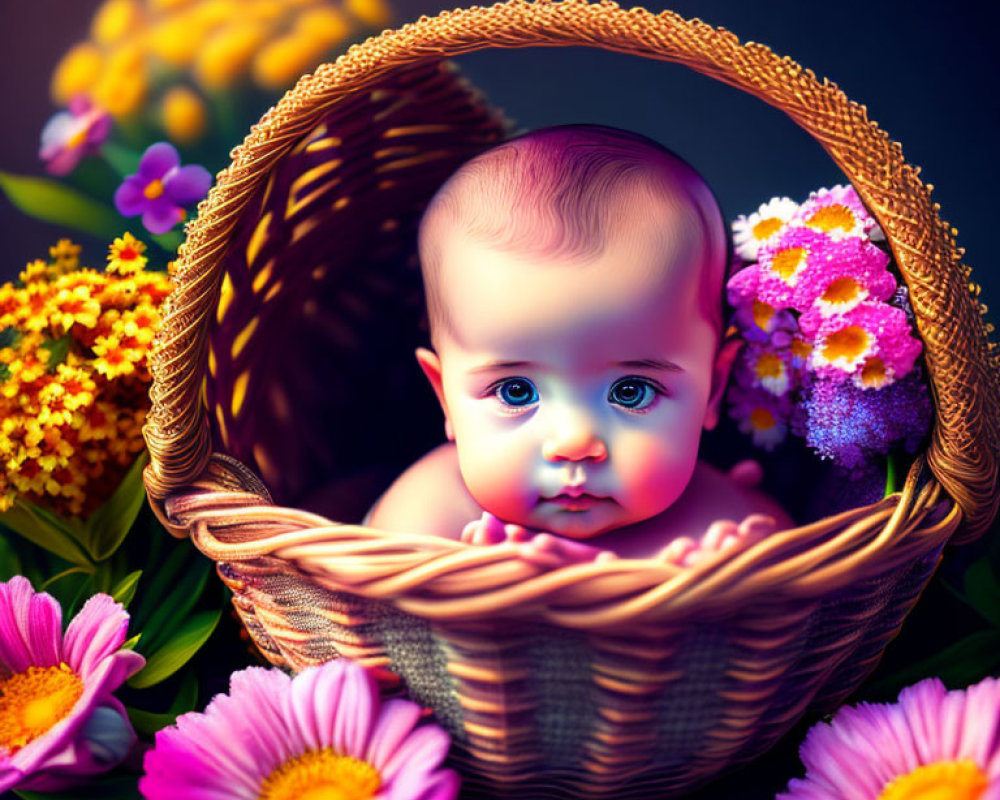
x=750 y=232
x=788 y=259
x=760 y=414
x=71 y=135
x=930 y=743
x=871 y=343
x=837 y=211
x=58 y=719
x=854 y=271
x=320 y=734
x=741 y=288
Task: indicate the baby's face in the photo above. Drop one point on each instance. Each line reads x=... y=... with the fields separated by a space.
x=577 y=392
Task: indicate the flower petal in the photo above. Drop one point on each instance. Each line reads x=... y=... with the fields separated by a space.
x=129 y=197
x=30 y=627
x=157 y=161
x=398 y=719
x=160 y=216
x=94 y=633
x=352 y=725
x=187 y=185
x=422 y=751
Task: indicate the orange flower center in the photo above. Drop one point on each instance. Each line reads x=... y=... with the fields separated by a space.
x=842 y=290
x=153 y=189
x=847 y=343
x=31 y=702
x=321 y=775
x=873 y=372
x=769 y=366
x=787 y=262
x=77 y=138
x=801 y=348
x=762 y=313
x=832 y=217
x=946 y=780
x=129 y=253
x=762 y=419
x=767 y=228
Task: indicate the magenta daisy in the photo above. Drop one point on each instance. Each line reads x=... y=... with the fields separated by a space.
x=322 y=734
x=786 y=260
x=931 y=743
x=750 y=232
x=872 y=343
x=161 y=188
x=854 y=271
x=741 y=288
x=72 y=134
x=837 y=211
x=58 y=719
x=762 y=415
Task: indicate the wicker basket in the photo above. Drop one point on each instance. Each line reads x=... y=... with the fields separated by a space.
x=297 y=286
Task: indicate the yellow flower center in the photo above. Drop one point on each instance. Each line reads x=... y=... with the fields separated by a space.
x=873 y=372
x=762 y=419
x=847 y=343
x=946 y=780
x=762 y=313
x=31 y=702
x=801 y=348
x=769 y=366
x=787 y=262
x=153 y=189
x=767 y=228
x=321 y=775
x=832 y=217
x=77 y=138
x=842 y=290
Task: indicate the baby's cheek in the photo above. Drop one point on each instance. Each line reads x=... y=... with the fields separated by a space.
x=495 y=476
x=655 y=470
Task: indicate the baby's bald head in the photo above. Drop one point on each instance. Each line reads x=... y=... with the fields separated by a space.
x=561 y=193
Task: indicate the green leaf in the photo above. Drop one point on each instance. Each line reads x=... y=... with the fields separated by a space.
x=163 y=573
x=58 y=349
x=10 y=561
x=124 y=590
x=123 y=160
x=43 y=528
x=117 y=787
x=51 y=201
x=107 y=527
x=176 y=605
x=149 y=722
x=129 y=644
x=65 y=573
x=169 y=241
x=982 y=590
x=178 y=651
x=967 y=661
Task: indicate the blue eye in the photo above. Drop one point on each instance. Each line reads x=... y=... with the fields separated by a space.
x=517 y=392
x=632 y=393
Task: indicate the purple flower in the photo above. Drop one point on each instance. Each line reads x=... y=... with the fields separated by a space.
x=931 y=743
x=322 y=733
x=761 y=414
x=70 y=135
x=850 y=425
x=58 y=719
x=161 y=188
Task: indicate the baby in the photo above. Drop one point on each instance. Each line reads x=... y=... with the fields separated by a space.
x=574 y=280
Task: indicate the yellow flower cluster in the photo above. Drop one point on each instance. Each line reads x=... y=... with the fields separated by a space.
x=134 y=43
x=73 y=375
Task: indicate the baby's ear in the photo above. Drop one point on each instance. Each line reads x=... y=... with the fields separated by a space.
x=431 y=365
x=720 y=379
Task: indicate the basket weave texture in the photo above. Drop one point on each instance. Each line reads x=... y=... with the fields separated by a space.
x=620 y=677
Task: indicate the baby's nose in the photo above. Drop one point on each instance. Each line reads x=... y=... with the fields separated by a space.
x=575 y=442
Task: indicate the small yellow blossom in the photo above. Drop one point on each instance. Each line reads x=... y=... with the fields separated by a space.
x=125 y=255
x=184 y=115
x=33 y=271
x=326 y=25
x=115 y=20
x=284 y=59
x=227 y=54
x=74 y=307
x=65 y=255
x=372 y=12
x=123 y=84
x=77 y=72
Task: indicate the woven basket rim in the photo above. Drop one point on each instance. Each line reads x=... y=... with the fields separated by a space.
x=963 y=371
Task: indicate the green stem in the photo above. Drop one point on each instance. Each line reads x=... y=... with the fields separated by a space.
x=890 y=475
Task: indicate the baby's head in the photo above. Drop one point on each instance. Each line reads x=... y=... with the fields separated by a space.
x=574 y=281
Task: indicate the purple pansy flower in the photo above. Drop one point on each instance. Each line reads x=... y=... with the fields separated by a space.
x=161 y=188
x=72 y=134
x=58 y=719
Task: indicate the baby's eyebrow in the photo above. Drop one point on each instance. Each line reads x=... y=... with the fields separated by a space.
x=650 y=363
x=495 y=365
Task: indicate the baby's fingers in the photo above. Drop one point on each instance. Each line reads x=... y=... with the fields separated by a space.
x=486 y=530
x=756 y=527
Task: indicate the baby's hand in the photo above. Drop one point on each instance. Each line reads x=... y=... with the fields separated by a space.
x=547 y=549
x=720 y=537
x=489 y=529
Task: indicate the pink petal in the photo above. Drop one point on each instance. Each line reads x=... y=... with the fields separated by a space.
x=352 y=724
x=442 y=785
x=419 y=754
x=94 y=633
x=30 y=627
x=314 y=702
x=397 y=720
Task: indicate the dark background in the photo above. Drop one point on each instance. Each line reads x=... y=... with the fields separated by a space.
x=926 y=70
